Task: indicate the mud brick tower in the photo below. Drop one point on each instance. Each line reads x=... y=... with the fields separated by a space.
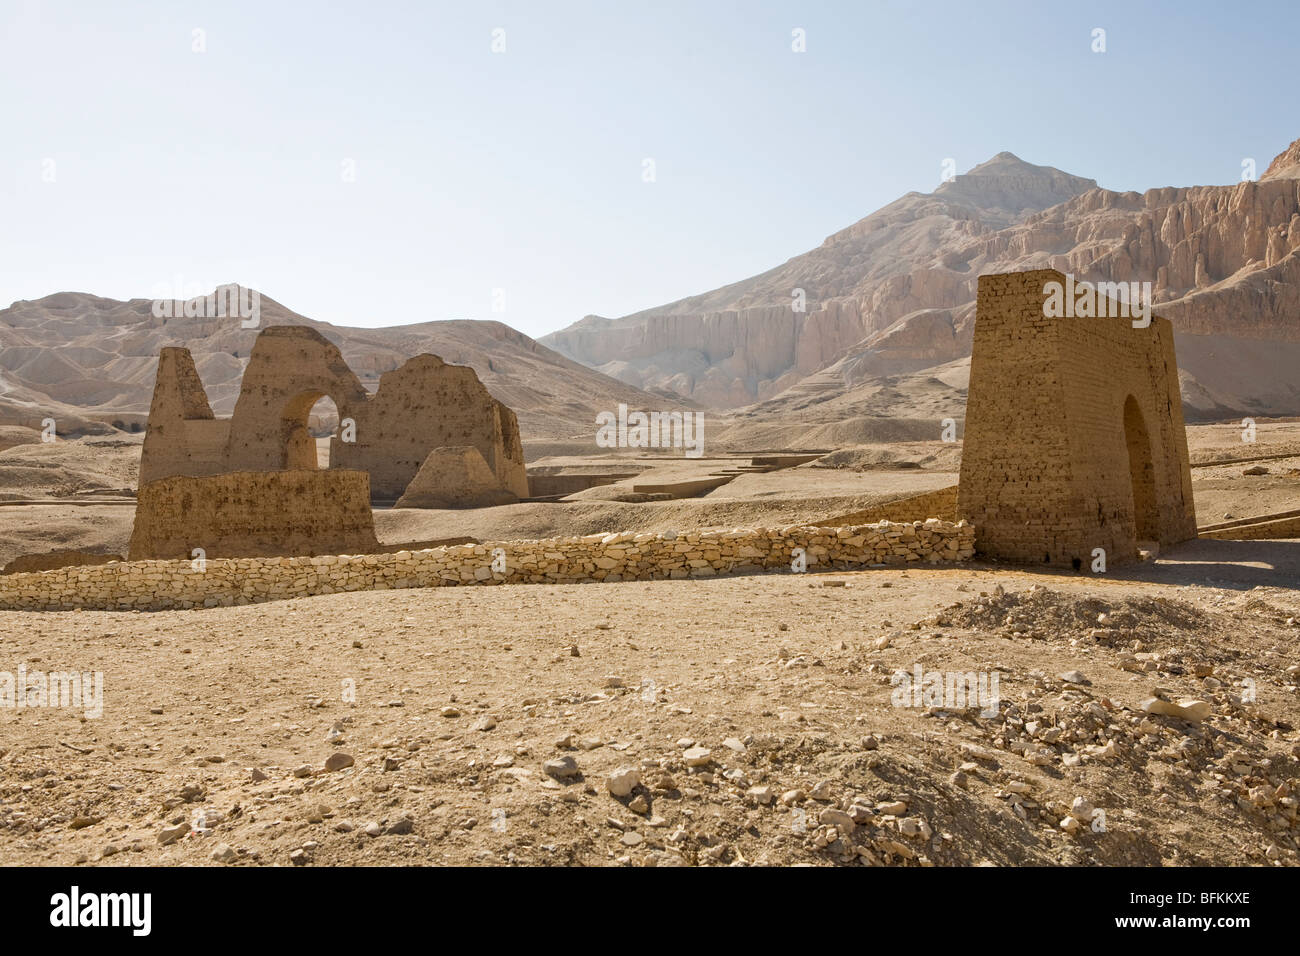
x=1074 y=431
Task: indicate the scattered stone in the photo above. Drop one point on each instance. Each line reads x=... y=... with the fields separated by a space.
x=623 y=781
x=915 y=827
x=563 y=768
x=837 y=818
x=372 y=829
x=1082 y=809
x=339 y=760
x=486 y=722
x=224 y=853
x=170 y=835
x=1188 y=709
x=698 y=756
x=1074 y=677
x=823 y=792
x=639 y=804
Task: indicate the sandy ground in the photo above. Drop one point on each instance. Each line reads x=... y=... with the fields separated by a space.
x=450 y=701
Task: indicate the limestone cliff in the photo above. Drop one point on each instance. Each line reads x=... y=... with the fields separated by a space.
x=1222 y=261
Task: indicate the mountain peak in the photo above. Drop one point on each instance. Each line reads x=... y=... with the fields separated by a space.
x=1008 y=184
x=1286 y=164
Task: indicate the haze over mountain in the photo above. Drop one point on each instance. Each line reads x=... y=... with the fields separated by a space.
x=86 y=361
x=894 y=293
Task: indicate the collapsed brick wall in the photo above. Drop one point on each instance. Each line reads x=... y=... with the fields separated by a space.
x=254 y=513
x=421 y=406
x=626 y=556
x=1074 y=431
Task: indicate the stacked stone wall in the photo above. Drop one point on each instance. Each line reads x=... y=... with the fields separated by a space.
x=623 y=556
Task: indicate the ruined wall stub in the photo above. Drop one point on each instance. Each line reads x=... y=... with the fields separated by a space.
x=248 y=514
x=1074 y=433
x=424 y=405
x=183 y=435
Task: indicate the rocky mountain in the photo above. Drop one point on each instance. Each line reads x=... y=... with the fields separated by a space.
x=89 y=363
x=894 y=293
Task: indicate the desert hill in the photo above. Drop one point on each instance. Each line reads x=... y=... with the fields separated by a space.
x=89 y=363
x=894 y=293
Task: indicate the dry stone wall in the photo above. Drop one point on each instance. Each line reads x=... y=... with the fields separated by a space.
x=623 y=556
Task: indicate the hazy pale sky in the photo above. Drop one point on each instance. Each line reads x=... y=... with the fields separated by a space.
x=379 y=163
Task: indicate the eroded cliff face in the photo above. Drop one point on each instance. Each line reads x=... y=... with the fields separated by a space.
x=898 y=287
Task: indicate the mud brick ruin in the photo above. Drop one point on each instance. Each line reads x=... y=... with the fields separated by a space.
x=1074 y=431
x=254 y=513
x=419 y=409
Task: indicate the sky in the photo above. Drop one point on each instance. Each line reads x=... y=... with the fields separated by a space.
x=385 y=162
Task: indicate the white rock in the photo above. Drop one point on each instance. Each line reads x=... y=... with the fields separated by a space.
x=623 y=781
x=1081 y=809
x=698 y=756
x=1188 y=708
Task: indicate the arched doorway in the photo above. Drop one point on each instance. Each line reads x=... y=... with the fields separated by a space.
x=306 y=424
x=1142 y=473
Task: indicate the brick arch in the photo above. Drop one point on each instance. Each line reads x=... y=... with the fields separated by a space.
x=289 y=370
x=296 y=437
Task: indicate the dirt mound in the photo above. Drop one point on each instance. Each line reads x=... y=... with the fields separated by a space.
x=1040 y=612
